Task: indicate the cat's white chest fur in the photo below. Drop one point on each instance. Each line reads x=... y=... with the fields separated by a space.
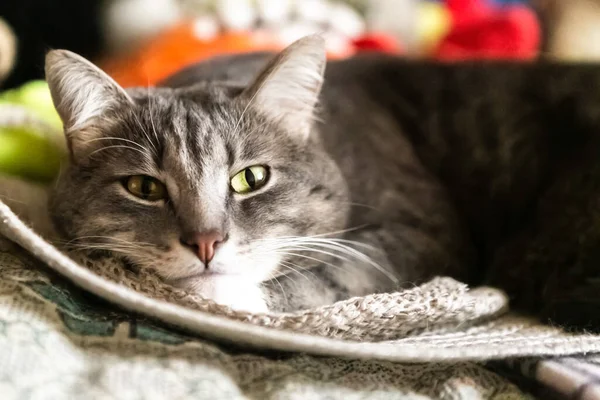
x=234 y=291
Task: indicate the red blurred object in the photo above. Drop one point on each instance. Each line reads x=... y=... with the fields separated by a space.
x=380 y=42
x=483 y=30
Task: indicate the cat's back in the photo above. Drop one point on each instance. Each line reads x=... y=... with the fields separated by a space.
x=495 y=134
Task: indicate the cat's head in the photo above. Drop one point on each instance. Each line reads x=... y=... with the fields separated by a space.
x=197 y=182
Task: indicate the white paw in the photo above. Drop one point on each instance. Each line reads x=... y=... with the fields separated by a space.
x=233 y=291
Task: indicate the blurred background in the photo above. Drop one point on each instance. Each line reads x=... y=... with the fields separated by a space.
x=139 y=42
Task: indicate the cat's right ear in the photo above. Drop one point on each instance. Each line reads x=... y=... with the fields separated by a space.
x=82 y=94
x=288 y=88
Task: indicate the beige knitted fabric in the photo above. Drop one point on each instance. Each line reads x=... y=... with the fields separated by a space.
x=440 y=304
x=56 y=344
x=441 y=320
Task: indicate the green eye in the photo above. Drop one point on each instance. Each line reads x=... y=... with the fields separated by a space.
x=249 y=179
x=146 y=187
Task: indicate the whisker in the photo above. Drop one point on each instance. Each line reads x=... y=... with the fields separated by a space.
x=307 y=248
x=257 y=129
x=10 y=199
x=144 y=131
x=340 y=246
x=290 y=264
x=116 y=138
x=281 y=287
x=337 y=249
x=290 y=267
x=358 y=255
x=112 y=248
x=310 y=258
x=341 y=231
x=235 y=129
x=89 y=243
x=139 y=123
x=310 y=239
x=118 y=146
x=361 y=205
x=152 y=120
x=108 y=238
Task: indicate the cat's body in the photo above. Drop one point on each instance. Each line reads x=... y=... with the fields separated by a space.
x=488 y=173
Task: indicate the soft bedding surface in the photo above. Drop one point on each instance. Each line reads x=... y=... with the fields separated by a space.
x=58 y=341
x=72 y=327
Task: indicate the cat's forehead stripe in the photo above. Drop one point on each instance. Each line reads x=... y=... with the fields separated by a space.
x=191 y=141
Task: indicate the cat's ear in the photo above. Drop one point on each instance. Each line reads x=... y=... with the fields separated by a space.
x=288 y=89
x=82 y=94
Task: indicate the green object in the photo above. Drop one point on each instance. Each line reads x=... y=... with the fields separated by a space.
x=30 y=133
x=28 y=155
x=35 y=97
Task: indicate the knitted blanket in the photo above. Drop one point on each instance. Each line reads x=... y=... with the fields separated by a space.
x=94 y=329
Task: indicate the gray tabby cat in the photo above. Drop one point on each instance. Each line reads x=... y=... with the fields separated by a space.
x=267 y=183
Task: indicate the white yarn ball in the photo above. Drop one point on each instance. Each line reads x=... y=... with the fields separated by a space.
x=344 y=19
x=290 y=33
x=206 y=27
x=313 y=11
x=236 y=15
x=274 y=12
x=126 y=23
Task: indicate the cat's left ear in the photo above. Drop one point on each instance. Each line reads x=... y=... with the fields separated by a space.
x=288 y=88
x=82 y=93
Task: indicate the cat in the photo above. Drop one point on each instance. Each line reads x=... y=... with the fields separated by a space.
x=283 y=182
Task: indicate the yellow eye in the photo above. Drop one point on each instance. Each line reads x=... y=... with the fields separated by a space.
x=146 y=187
x=249 y=179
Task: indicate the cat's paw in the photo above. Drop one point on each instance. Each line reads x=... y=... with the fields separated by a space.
x=251 y=303
x=235 y=292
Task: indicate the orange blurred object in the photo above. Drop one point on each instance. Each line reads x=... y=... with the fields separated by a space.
x=179 y=47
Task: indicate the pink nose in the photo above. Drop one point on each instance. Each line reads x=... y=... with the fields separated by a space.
x=204 y=244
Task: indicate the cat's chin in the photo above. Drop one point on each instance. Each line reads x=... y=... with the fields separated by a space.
x=237 y=292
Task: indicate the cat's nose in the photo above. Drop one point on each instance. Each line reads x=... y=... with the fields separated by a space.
x=204 y=244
